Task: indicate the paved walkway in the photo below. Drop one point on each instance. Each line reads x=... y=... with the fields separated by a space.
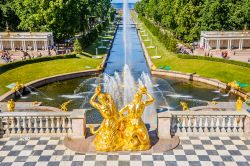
x=244 y=57
x=194 y=151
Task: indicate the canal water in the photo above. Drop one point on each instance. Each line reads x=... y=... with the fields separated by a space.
x=134 y=56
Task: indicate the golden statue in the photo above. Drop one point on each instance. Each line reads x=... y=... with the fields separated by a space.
x=239 y=104
x=134 y=131
x=234 y=85
x=184 y=106
x=108 y=137
x=64 y=106
x=11 y=105
x=153 y=67
x=17 y=87
x=35 y=103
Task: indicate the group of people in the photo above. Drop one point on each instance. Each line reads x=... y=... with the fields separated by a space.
x=224 y=54
x=6 y=56
x=124 y=129
x=208 y=54
x=184 y=50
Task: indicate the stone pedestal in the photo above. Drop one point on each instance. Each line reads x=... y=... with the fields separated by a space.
x=78 y=119
x=164 y=125
x=247 y=125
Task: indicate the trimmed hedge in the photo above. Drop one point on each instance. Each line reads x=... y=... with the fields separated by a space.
x=185 y=56
x=16 y=64
x=168 y=40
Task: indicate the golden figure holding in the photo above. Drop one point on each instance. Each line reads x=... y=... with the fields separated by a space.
x=64 y=106
x=108 y=137
x=11 y=105
x=234 y=85
x=134 y=132
x=17 y=87
x=239 y=104
x=184 y=106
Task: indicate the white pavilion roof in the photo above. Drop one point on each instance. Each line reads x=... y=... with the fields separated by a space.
x=225 y=34
x=25 y=35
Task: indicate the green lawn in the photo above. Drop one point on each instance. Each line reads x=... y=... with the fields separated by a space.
x=30 y=72
x=221 y=71
x=91 y=50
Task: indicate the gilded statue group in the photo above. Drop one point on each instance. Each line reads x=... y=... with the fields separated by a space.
x=123 y=130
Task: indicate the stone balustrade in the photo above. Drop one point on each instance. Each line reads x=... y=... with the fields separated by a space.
x=43 y=123
x=203 y=122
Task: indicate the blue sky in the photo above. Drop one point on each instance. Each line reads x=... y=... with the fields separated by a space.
x=120 y=1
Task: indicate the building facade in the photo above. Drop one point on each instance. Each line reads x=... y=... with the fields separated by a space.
x=225 y=40
x=26 y=40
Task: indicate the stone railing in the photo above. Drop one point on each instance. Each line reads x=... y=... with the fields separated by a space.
x=43 y=123
x=203 y=122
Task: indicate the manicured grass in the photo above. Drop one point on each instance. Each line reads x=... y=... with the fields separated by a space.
x=221 y=71
x=30 y=72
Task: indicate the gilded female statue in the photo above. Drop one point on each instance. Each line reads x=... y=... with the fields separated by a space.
x=135 y=134
x=107 y=137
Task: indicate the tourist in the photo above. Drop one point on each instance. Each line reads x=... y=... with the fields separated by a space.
x=49 y=52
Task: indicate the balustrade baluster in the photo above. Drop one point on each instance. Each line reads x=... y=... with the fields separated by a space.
x=47 y=125
x=41 y=125
x=190 y=124
x=24 y=126
x=63 y=125
x=7 y=126
x=179 y=124
x=29 y=125
x=184 y=124
x=195 y=129
x=200 y=123
x=206 y=123
x=241 y=124
x=58 y=130
x=12 y=121
x=219 y=124
x=52 y=123
x=18 y=126
x=212 y=124
x=203 y=121
x=223 y=124
x=69 y=126
x=230 y=124
x=235 y=124
x=1 y=126
x=35 y=125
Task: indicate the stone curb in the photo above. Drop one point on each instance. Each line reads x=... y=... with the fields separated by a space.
x=47 y=80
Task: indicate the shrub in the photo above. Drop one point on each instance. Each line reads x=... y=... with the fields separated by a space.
x=35 y=60
x=77 y=46
x=185 y=56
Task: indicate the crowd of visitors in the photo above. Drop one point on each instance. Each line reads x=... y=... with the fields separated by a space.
x=7 y=56
x=185 y=50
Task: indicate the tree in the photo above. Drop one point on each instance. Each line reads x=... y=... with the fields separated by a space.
x=64 y=18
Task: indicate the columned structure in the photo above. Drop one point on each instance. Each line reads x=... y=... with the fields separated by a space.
x=26 y=40
x=225 y=40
